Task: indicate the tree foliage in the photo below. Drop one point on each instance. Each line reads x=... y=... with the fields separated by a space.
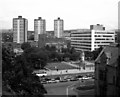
x=36 y=57
x=17 y=76
x=25 y=45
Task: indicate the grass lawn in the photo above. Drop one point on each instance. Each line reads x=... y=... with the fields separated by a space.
x=59 y=66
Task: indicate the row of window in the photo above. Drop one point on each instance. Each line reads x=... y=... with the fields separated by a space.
x=81 y=33
x=80 y=45
x=82 y=48
x=80 y=38
x=104 y=32
x=104 y=39
x=104 y=42
x=87 y=42
x=103 y=36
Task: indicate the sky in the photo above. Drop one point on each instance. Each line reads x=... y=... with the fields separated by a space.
x=77 y=14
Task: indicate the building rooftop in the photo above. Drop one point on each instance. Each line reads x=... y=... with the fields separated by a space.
x=111 y=52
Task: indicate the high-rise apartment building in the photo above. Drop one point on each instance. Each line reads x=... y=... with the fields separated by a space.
x=20 y=27
x=58 y=28
x=39 y=27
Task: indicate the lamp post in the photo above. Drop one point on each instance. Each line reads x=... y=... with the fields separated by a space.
x=67 y=89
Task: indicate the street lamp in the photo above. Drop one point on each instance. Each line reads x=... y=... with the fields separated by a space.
x=67 y=89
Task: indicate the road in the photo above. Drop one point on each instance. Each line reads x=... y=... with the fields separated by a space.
x=64 y=88
x=60 y=88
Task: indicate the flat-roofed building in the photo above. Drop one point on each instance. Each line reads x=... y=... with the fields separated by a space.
x=20 y=27
x=58 y=27
x=97 y=27
x=39 y=27
x=90 y=40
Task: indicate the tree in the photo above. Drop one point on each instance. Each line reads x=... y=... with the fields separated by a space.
x=72 y=50
x=67 y=56
x=25 y=45
x=17 y=77
x=36 y=57
x=75 y=56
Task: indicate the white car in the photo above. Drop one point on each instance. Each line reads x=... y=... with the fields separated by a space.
x=52 y=81
x=86 y=77
x=57 y=81
x=41 y=74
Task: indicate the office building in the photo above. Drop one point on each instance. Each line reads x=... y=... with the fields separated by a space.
x=20 y=27
x=90 y=40
x=39 y=27
x=107 y=72
x=58 y=28
x=97 y=27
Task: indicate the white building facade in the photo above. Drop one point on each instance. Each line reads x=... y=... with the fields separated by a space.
x=20 y=28
x=58 y=28
x=39 y=27
x=90 y=40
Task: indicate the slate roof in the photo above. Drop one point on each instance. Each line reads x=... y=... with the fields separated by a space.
x=111 y=53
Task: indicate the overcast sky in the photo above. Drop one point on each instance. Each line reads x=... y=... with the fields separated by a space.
x=75 y=13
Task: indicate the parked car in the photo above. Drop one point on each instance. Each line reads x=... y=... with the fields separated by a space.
x=73 y=79
x=79 y=77
x=68 y=79
x=85 y=77
x=47 y=79
x=57 y=79
x=44 y=82
x=52 y=81
x=63 y=80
